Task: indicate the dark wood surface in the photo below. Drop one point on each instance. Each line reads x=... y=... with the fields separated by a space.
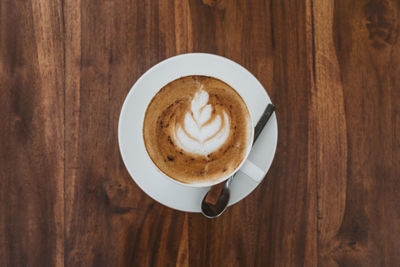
x=331 y=197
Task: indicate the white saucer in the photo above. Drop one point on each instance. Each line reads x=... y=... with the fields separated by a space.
x=139 y=165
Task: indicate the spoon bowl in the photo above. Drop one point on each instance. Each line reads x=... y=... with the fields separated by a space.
x=213 y=211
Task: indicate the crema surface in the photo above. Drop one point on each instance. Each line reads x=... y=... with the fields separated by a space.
x=197 y=129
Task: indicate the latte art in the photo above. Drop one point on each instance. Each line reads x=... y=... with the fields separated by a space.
x=202 y=133
x=197 y=129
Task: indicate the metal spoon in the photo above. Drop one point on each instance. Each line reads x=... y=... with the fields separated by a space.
x=212 y=211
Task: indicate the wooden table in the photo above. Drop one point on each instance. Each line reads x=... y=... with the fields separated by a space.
x=331 y=197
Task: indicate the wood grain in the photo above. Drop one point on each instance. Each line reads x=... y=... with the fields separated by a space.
x=357 y=66
x=31 y=134
x=331 y=195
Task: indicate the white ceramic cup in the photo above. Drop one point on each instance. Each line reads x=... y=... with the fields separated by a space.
x=246 y=166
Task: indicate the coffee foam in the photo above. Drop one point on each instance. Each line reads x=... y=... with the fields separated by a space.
x=197 y=129
x=202 y=133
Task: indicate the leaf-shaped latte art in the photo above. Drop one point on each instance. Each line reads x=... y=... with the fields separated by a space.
x=199 y=135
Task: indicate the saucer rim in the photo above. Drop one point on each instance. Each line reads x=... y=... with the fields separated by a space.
x=152 y=193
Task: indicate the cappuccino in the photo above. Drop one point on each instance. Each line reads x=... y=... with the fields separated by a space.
x=197 y=129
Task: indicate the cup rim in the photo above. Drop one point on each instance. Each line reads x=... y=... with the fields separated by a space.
x=224 y=178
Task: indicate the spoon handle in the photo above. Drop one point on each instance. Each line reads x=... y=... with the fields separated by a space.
x=263 y=120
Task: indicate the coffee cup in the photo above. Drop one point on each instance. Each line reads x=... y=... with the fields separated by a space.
x=198 y=132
